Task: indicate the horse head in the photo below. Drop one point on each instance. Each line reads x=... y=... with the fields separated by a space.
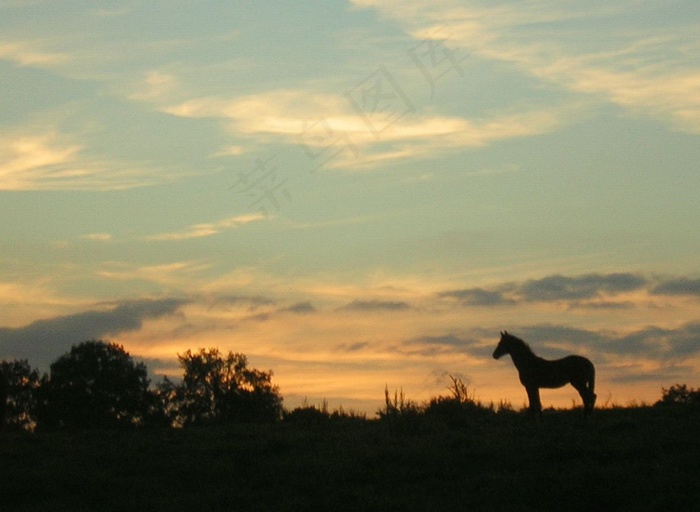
x=503 y=347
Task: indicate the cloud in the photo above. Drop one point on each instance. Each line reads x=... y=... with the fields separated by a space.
x=647 y=341
x=231 y=150
x=477 y=297
x=636 y=373
x=322 y=123
x=587 y=290
x=99 y=237
x=301 y=307
x=26 y=54
x=353 y=347
x=662 y=343
x=652 y=342
x=680 y=286
x=602 y=304
x=42 y=341
x=177 y=274
x=26 y=160
x=649 y=71
x=50 y=161
x=560 y=334
x=376 y=305
x=251 y=302
x=155 y=86
x=447 y=342
x=558 y=287
x=208 y=229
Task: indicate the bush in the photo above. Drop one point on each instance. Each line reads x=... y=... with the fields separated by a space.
x=679 y=394
x=457 y=410
x=314 y=415
x=308 y=415
x=398 y=406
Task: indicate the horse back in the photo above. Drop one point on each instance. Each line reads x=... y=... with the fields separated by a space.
x=559 y=372
x=579 y=361
x=578 y=366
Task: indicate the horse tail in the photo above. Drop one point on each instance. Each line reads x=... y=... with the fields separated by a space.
x=591 y=386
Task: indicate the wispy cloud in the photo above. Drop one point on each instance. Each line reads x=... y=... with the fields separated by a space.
x=27 y=54
x=29 y=161
x=98 y=237
x=177 y=275
x=649 y=73
x=648 y=89
x=51 y=161
x=36 y=295
x=315 y=120
x=208 y=229
x=156 y=86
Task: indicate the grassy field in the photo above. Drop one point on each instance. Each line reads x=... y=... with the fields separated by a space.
x=621 y=459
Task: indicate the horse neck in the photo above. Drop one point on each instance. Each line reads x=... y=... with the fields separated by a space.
x=522 y=356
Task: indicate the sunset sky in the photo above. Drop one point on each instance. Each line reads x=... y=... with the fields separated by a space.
x=356 y=194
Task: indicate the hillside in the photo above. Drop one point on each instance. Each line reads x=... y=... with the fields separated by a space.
x=645 y=458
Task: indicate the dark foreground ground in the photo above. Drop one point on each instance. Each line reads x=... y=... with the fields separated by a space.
x=622 y=459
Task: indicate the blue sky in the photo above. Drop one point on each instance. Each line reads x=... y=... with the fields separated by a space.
x=355 y=194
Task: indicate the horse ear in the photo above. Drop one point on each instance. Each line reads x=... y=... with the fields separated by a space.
x=501 y=333
x=505 y=332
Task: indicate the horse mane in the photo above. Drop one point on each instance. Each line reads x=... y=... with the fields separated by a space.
x=524 y=346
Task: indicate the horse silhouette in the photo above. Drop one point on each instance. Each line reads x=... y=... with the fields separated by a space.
x=536 y=373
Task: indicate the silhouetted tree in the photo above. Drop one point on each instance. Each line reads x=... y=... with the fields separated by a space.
x=218 y=388
x=169 y=404
x=20 y=396
x=97 y=384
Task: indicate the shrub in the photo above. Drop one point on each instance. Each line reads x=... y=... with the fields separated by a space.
x=459 y=409
x=398 y=406
x=679 y=394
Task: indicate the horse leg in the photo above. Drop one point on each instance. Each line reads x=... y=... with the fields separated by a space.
x=591 y=389
x=533 y=397
x=591 y=396
x=583 y=391
x=589 y=386
x=587 y=395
